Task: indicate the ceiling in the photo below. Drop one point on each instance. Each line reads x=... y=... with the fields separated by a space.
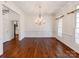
x=47 y=7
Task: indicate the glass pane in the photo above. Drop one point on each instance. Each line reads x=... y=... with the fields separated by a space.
x=77 y=14
x=77 y=25
x=77 y=19
x=77 y=30
x=77 y=35
x=60 y=30
x=60 y=27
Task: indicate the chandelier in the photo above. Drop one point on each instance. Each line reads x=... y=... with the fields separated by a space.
x=40 y=19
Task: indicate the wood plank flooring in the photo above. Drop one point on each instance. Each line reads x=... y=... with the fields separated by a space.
x=34 y=48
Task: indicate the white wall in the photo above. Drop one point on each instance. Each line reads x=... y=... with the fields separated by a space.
x=5 y=24
x=8 y=26
x=33 y=30
x=68 y=26
x=27 y=26
x=1 y=30
x=10 y=5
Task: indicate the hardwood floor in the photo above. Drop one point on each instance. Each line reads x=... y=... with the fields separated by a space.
x=35 y=48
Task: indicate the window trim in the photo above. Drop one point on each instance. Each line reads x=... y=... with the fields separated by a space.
x=59 y=33
x=75 y=28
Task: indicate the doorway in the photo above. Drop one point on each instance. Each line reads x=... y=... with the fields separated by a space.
x=15 y=27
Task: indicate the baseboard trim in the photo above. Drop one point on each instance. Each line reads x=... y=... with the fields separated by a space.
x=68 y=49
x=39 y=37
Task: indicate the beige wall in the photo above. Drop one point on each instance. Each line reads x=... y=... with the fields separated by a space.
x=68 y=26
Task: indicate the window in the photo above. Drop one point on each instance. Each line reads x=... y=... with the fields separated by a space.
x=77 y=27
x=60 y=27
